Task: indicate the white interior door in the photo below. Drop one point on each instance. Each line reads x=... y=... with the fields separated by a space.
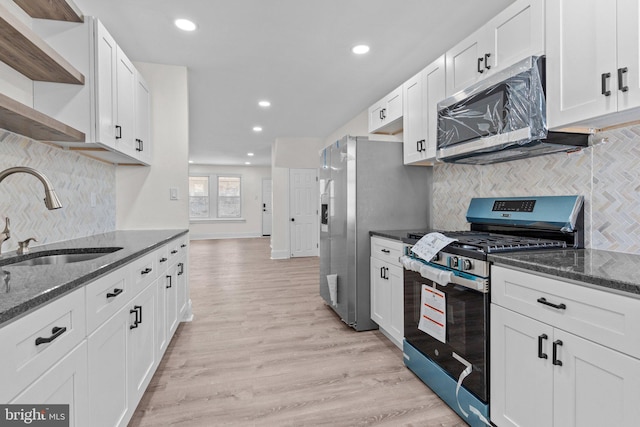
x=303 y=212
x=267 y=214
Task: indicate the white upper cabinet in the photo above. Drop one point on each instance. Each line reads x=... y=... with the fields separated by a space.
x=143 y=119
x=592 y=63
x=514 y=34
x=105 y=107
x=421 y=95
x=385 y=116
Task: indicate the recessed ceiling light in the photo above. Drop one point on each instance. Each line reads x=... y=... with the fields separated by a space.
x=185 y=24
x=250 y=154
x=247 y=163
x=257 y=129
x=190 y=161
x=264 y=104
x=360 y=49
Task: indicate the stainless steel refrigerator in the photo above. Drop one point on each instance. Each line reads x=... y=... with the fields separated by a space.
x=364 y=186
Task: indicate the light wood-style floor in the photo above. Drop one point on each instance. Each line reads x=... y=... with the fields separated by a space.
x=264 y=350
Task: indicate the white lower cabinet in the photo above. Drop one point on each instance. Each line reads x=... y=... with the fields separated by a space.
x=141 y=346
x=387 y=288
x=108 y=382
x=543 y=375
x=64 y=383
x=98 y=347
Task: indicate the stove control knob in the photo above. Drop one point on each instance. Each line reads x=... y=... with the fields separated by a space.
x=466 y=265
x=436 y=257
x=454 y=262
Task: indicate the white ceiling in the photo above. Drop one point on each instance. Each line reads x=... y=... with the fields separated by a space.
x=295 y=53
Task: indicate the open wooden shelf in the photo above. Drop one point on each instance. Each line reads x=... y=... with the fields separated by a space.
x=23 y=50
x=19 y=118
x=60 y=10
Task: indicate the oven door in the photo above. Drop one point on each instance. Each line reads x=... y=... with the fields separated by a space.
x=466 y=316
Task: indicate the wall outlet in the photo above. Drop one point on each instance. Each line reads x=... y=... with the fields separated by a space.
x=173 y=193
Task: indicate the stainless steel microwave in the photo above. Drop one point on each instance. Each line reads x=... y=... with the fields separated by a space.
x=501 y=118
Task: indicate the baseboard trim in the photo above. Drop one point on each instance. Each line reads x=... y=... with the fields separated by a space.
x=210 y=236
x=280 y=254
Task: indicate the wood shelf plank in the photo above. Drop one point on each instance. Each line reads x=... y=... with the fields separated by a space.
x=23 y=50
x=59 y=10
x=21 y=119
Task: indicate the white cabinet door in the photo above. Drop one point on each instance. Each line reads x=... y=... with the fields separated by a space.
x=581 y=53
x=181 y=284
x=396 y=304
x=434 y=83
x=171 y=281
x=142 y=348
x=106 y=86
x=65 y=383
x=465 y=61
x=380 y=293
x=421 y=95
x=414 y=122
x=143 y=142
x=628 y=71
x=385 y=116
x=108 y=376
x=515 y=33
x=595 y=386
x=162 y=336
x=521 y=378
x=126 y=90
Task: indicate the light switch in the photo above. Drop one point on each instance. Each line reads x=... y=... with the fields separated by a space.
x=173 y=193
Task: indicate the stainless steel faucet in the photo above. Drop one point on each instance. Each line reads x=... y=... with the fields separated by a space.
x=51 y=200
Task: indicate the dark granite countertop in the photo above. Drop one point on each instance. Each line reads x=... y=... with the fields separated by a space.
x=25 y=288
x=397 y=234
x=614 y=271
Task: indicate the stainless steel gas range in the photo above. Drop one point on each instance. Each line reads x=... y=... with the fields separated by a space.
x=446 y=297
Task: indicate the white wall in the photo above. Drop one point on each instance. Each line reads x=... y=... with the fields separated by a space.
x=251 y=224
x=142 y=193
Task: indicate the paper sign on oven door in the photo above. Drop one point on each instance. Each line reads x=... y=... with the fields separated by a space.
x=433 y=313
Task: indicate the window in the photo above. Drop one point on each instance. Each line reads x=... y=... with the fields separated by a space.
x=215 y=197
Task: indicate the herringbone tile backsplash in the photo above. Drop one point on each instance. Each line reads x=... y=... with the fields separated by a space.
x=606 y=174
x=73 y=176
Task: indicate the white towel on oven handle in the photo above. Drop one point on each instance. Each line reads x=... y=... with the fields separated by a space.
x=441 y=277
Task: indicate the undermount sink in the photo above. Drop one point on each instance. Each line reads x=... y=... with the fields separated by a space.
x=57 y=257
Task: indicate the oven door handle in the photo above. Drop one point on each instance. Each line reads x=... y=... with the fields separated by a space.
x=444 y=277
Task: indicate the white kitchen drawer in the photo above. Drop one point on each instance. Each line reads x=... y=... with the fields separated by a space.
x=106 y=296
x=163 y=259
x=22 y=361
x=143 y=270
x=606 y=318
x=387 y=250
x=177 y=249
